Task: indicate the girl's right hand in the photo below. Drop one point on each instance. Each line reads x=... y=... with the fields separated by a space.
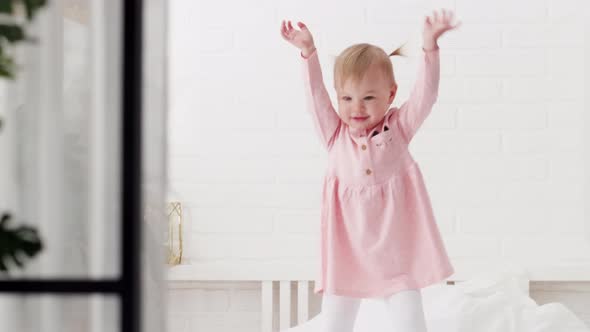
x=301 y=39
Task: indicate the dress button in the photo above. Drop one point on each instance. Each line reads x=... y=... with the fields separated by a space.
x=364 y=147
x=368 y=171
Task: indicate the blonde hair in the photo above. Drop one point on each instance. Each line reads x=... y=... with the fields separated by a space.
x=355 y=60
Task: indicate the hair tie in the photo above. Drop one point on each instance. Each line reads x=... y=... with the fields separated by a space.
x=401 y=51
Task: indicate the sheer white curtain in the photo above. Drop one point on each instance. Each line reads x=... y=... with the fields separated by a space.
x=155 y=136
x=61 y=160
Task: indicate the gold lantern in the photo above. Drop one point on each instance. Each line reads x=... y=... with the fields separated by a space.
x=174 y=233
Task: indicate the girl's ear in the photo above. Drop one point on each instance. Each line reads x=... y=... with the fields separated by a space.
x=392 y=93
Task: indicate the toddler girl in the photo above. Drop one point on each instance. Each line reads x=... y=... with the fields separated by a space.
x=379 y=237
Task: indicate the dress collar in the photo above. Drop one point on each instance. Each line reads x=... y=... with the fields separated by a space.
x=360 y=133
x=356 y=132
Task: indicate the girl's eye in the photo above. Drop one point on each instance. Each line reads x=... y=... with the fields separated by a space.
x=369 y=97
x=346 y=98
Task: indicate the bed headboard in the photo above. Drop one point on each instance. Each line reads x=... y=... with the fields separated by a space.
x=285 y=303
x=277 y=281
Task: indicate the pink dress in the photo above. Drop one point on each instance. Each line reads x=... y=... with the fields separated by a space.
x=378 y=231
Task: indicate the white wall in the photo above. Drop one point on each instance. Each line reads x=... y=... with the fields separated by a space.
x=502 y=151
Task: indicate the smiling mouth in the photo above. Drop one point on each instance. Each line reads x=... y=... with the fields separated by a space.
x=360 y=118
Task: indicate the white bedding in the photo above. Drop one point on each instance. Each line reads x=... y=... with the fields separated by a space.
x=496 y=303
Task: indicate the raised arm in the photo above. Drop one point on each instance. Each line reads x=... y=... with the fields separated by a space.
x=325 y=118
x=425 y=91
x=414 y=111
x=319 y=105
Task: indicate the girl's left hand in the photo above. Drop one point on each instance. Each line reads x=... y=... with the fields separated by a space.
x=436 y=25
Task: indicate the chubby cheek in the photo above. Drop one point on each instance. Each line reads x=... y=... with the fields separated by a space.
x=344 y=111
x=379 y=110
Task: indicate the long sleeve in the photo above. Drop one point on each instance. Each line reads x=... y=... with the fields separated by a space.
x=424 y=94
x=325 y=118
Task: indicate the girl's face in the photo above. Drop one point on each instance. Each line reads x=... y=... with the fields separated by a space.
x=364 y=103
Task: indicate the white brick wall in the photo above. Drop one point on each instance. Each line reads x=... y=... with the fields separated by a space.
x=502 y=151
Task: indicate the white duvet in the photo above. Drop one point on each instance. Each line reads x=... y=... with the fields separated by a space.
x=497 y=303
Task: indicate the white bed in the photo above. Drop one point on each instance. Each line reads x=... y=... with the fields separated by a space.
x=495 y=303
x=492 y=300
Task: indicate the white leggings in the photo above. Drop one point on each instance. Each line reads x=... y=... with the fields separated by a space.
x=404 y=310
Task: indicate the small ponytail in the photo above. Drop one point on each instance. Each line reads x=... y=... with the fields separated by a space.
x=401 y=51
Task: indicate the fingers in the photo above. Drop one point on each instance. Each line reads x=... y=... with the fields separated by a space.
x=287 y=28
x=284 y=31
x=451 y=19
x=445 y=16
x=433 y=18
x=450 y=16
